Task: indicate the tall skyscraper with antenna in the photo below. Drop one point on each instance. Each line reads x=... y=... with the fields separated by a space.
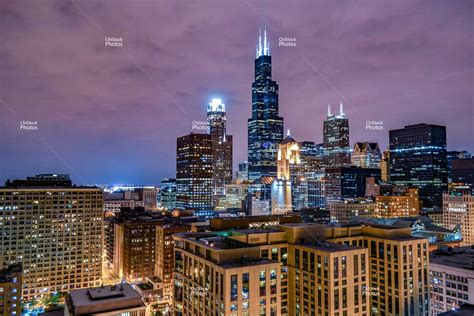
x=337 y=152
x=265 y=127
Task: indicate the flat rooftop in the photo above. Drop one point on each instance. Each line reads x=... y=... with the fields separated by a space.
x=459 y=257
x=104 y=299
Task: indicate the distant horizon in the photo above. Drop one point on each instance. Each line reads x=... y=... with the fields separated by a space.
x=107 y=114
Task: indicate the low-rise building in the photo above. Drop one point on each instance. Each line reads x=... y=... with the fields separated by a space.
x=452 y=278
x=115 y=300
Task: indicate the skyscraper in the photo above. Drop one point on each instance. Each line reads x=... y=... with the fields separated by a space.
x=337 y=152
x=265 y=127
x=221 y=146
x=366 y=155
x=418 y=159
x=290 y=169
x=55 y=230
x=194 y=166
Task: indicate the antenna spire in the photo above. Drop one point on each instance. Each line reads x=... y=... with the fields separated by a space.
x=341 y=108
x=329 y=110
x=288 y=132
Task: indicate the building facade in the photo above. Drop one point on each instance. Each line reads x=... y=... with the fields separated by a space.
x=366 y=155
x=168 y=193
x=265 y=127
x=458 y=211
x=418 y=159
x=194 y=172
x=347 y=182
x=11 y=279
x=55 y=232
x=404 y=204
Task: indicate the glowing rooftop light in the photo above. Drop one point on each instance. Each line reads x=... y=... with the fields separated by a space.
x=216 y=105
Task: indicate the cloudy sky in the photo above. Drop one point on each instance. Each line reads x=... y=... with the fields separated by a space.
x=112 y=115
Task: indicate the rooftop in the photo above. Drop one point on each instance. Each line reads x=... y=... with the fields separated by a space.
x=104 y=299
x=460 y=257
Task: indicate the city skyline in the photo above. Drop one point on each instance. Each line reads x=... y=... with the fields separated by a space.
x=88 y=124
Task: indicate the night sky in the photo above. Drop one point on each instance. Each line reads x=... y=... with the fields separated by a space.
x=112 y=115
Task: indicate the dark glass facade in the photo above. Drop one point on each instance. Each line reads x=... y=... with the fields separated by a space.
x=194 y=166
x=265 y=127
x=347 y=182
x=418 y=158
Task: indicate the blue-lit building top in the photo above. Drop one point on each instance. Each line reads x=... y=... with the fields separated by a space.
x=265 y=127
x=418 y=158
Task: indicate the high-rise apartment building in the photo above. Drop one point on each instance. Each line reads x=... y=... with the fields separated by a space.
x=337 y=152
x=366 y=155
x=458 y=211
x=11 y=289
x=265 y=127
x=221 y=146
x=418 y=159
x=134 y=254
x=324 y=270
x=55 y=231
x=398 y=204
x=164 y=250
x=194 y=172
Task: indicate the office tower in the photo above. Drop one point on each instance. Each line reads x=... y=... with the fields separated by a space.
x=456 y=155
x=168 y=193
x=385 y=166
x=243 y=173
x=265 y=127
x=366 y=155
x=164 y=248
x=10 y=289
x=222 y=146
x=290 y=174
x=135 y=244
x=452 y=279
x=349 y=209
x=337 y=152
x=194 y=172
x=113 y=300
x=463 y=171
x=401 y=204
x=418 y=159
x=52 y=227
x=458 y=211
x=347 y=182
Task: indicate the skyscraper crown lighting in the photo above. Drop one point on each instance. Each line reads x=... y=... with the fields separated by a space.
x=216 y=105
x=265 y=49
